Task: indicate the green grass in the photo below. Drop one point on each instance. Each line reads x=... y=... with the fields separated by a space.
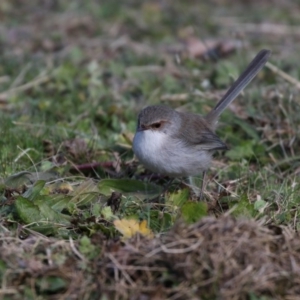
x=73 y=78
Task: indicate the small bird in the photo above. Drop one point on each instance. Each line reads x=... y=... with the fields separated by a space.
x=180 y=144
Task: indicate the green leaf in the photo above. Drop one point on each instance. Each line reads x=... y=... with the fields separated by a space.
x=85 y=193
x=96 y=210
x=178 y=198
x=223 y=69
x=107 y=213
x=57 y=202
x=87 y=248
x=35 y=190
x=250 y=130
x=33 y=212
x=252 y=296
x=260 y=205
x=107 y=186
x=193 y=211
x=17 y=180
x=51 y=229
x=244 y=150
x=48 y=214
x=283 y=217
x=46 y=176
x=27 y=210
x=160 y=221
x=50 y=284
x=243 y=207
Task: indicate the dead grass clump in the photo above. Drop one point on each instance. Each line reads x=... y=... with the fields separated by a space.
x=213 y=259
x=220 y=258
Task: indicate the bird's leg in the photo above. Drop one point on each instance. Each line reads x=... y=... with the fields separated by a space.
x=202 y=185
x=198 y=191
x=169 y=183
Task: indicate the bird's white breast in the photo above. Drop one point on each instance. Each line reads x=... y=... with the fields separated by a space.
x=148 y=146
x=159 y=153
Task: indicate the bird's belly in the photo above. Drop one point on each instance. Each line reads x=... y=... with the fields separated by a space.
x=160 y=154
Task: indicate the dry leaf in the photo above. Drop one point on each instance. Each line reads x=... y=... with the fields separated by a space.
x=195 y=47
x=76 y=147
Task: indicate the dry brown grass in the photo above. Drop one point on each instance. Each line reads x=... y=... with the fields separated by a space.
x=220 y=258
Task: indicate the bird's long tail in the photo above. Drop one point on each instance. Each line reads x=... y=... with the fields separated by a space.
x=244 y=79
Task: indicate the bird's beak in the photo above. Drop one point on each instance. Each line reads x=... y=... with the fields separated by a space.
x=142 y=128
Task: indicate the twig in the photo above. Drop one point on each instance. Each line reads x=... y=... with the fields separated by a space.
x=18 y=80
x=4 y=79
x=263 y=28
x=7 y=291
x=142 y=268
x=164 y=248
x=284 y=75
x=142 y=69
x=76 y=252
x=25 y=152
x=185 y=250
x=37 y=81
x=125 y=274
x=92 y=166
x=175 y=97
x=186 y=96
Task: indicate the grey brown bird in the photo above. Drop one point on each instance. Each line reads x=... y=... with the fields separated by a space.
x=181 y=144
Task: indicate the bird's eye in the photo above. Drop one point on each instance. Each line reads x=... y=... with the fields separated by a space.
x=156 y=125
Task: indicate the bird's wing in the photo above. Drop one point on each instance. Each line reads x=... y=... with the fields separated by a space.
x=197 y=132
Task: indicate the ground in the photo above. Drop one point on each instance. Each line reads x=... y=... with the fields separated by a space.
x=81 y=218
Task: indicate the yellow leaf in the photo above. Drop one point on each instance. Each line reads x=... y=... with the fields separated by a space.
x=127 y=227
x=130 y=227
x=144 y=230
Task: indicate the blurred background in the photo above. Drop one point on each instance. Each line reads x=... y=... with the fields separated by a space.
x=53 y=26
x=85 y=68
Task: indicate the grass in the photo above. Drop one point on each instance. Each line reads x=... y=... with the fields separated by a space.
x=73 y=77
